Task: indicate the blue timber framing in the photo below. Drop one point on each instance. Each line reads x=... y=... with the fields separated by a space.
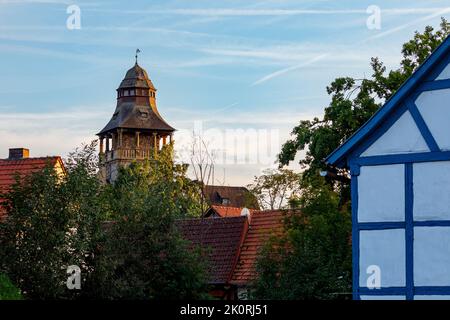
x=402 y=158
x=409 y=231
x=409 y=290
x=349 y=155
x=408 y=159
x=401 y=291
x=423 y=128
x=355 y=234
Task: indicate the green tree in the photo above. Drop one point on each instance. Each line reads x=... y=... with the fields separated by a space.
x=52 y=223
x=56 y=221
x=144 y=256
x=275 y=188
x=354 y=101
x=313 y=259
x=7 y=290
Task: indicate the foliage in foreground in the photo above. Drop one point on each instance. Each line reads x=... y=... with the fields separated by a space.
x=313 y=259
x=57 y=221
x=145 y=256
x=52 y=223
x=7 y=290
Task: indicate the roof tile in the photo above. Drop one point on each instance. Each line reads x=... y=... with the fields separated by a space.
x=263 y=224
x=222 y=237
x=224 y=211
x=22 y=167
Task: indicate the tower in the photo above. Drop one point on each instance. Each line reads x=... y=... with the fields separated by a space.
x=136 y=130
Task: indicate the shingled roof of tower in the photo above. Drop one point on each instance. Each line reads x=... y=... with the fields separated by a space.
x=137 y=77
x=137 y=113
x=132 y=116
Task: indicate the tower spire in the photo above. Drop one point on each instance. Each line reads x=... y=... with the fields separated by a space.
x=136 y=56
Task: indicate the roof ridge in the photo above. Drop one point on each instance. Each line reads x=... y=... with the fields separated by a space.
x=216 y=186
x=29 y=158
x=208 y=219
x=231 y=207
x=277 y=211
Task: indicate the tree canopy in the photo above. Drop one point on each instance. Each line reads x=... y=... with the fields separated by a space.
x=276 y=189
x=144 y=256
x=7 y=289
x=354 y=101
x=121 y=236
x=313 y=260
x=52 y=223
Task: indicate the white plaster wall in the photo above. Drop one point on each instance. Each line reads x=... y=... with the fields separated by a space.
x=432 y=256
x=434 y=107
x=386 y=249
x=432 y=190
x=445 y=73
x=382 y=297
x=434 y=297
x=402 y=137
x=381 y=193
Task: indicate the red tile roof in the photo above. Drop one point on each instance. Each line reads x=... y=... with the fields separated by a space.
x=235 y=242
x=263 y=224
x=222 y=237
x=223 y=211
x=23 y=167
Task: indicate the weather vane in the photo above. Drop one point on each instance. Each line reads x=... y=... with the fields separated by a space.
x=136 y=56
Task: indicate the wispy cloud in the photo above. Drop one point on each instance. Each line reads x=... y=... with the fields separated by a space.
x=50 y=133
x=288 y=53
x=436 y=13
x=110 y=28
x=253 y=12
x=58 y=2
x=273 y=12
x=61 y=54
x=5 y=118
x=289 y=69
x=35 y=2
x=277 y=53
x=263 y=118
x=223 y=118
x=409 y=24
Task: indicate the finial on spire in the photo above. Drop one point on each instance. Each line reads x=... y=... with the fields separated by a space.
x=136 y=56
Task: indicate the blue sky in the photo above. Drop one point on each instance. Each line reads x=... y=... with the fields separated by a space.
x=227 y=65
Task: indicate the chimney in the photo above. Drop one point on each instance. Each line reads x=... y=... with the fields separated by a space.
x=18 y=153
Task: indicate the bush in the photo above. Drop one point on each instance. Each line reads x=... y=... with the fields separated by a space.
x=7 y=289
